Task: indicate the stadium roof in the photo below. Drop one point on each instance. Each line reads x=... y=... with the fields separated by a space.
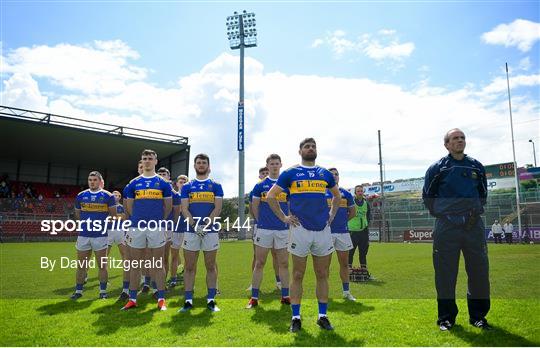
x=41 y=137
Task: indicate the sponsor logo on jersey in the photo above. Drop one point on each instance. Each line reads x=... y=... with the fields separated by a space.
x=308 y=186
x=201 y=197
x=94 y=207
x=148 y=194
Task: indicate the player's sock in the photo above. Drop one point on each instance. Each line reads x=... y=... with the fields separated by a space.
x=189 y=296
x=255 y=293
x=133 y=295
x=154 y=285
x=278 y=280
x=125 y=286
x=102 y=287
x=211 y=294
x=78 y=288
x=284 y=292
x=322 y=309
x=147 y=280
x=161 y=295
x=295 y=311
x=345 y=287
x=174 y=279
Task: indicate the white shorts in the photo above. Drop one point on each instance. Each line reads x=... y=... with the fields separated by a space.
x=271 y=238
x=116 y=237
x=342 y=241
x=254 y=232
x=168 y=236
x=140 y=239
x=176 y=240
x=193 y=242
x=91 y=243
x=303 y=242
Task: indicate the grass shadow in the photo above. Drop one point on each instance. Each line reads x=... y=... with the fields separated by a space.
x=348 y=307
x=71 y=289
x=182 y=323
x=111 y=318
x=496 y=337
x=65 y=307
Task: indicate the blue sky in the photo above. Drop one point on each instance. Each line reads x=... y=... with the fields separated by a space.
x=420 y=56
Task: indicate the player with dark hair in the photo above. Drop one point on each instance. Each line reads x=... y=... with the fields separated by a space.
x=178 y=234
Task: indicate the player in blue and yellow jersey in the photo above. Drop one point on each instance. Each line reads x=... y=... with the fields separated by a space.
x=340 y=233
x=91 y=205
x=166 y=174
x=309 y=219
x=117 y=236
x=202 y=199
x=272 y=233
x=178 y=234
x=149 y=202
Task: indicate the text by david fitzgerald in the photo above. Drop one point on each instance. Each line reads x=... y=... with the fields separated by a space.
x=102 y=262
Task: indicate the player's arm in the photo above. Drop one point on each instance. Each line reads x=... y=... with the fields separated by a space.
x=218 y=205
x=185 y=211
x=177 y=210
x=351 y=212
x=271 y=199
x=129 y=206
x=167 y=207
x=256 y=201
x=336 y=197
x=112 y=211
x=77 y=214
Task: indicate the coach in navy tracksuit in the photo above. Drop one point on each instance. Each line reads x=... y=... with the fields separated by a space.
x=455 y=191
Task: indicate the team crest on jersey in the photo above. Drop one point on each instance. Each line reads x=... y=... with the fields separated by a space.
x=210 y=186
x=156 y=184
x=474 y=175
x=101 y=199
x=321 y=175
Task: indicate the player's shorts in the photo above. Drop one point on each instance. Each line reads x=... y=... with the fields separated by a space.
x=254 y=232
x=303 y=242
x=271 y=238
x=168 y=236
x=177 y=240
x=91 y=243
x=208 y=242
x=116 y=237
x=342 y=241
x=140 y=239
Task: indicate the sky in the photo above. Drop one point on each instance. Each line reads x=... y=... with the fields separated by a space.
x=335 y=71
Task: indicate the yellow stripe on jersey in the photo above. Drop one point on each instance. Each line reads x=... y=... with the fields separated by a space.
x=148 y=194
x=201 y=197
x=95 y=207
x=308 y=186
x=282 y=197
x=342 y=202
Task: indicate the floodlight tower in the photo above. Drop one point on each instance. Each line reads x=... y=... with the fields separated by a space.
x=242 y=33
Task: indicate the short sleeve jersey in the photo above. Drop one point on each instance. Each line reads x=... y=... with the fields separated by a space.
x=94 y=206
x=307 y=194
x=148 y=194
x=339 y=224
x=202 y=195
x=267 y=219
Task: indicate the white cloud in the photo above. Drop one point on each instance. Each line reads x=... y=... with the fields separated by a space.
x=382 y=46
x=343 y=114
x=525 y=64
x=520 y=33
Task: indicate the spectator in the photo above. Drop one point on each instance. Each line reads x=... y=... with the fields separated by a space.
x=508 y=229
x=497 y=231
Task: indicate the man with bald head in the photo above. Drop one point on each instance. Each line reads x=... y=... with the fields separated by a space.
x=455 y=192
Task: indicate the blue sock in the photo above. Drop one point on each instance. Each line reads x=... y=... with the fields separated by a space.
x=322 y=308
x=133 y=294
x=211 y=293
x=125 y=284
x=161 y=294
x=295 y=310
x=154 y=285
x=102 y=286
x=173 y=279
x=277 y=278
x=78 y=287
x=147 y=280
x=189 y=295
x=345 y=286
x=254 y=293
x=284 y=292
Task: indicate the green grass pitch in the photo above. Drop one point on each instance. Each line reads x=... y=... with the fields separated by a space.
x=397 y=309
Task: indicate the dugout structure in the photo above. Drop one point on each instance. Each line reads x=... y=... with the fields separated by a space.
x=52 y=149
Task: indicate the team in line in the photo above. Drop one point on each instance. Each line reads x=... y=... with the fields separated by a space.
x=299 y=211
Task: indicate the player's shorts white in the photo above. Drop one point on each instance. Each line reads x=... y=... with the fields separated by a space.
x=303 y=242
x=254 y=232
x=342 y=241
x=140 y=239
x=89 y=243
x=116 y=237
x=177 y=240
x=208 y=242
x=271 y=238
x=168 y=236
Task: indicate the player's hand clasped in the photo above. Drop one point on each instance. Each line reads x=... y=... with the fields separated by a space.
x=200 y=231
x=291 y=220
